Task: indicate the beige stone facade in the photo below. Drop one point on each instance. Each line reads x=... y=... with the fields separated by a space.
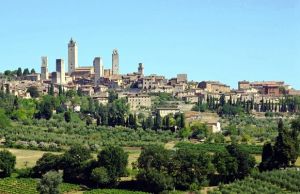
x=137 y=101
x=214 y=87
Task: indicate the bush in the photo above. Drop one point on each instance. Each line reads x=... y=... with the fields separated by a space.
x=155 y=181
x=100 y=176
x=7 y=163
x=49 y=184
x=46 y=163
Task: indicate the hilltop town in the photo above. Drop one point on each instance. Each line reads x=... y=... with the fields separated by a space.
x=95 y=81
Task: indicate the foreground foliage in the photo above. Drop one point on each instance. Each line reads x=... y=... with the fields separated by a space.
x=28 y=186
x=112 y=191
x=218 y=147
x=277 y=181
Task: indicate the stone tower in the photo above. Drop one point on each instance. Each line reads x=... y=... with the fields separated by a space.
x=115 y=62
x=98 y=67
x=72 y=56
x=44 y=69
x=141 y=69
x=60 y=71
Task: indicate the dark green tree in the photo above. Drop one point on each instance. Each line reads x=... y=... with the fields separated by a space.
x=267 y=162
x=245 y=161
x=51 y=90
x=190 y=168
x=25 y=72
x=283 y=147
x=33 y=91
x=19 y=72
x=67 y=116
x=7 y=163
x=46 y=163
x=73 y=162
x=226 y=165
x=115 y=161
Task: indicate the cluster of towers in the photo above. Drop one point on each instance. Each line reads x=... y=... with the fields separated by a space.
x=59 y=76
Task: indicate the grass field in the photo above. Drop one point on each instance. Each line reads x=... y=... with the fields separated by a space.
x=28 y=158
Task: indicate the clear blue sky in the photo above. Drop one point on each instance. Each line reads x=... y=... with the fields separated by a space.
x=228 y=40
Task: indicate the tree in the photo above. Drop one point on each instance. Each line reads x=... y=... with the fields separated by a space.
x=72 y=163
x=49 y=184
x=157 y=121
x=149 y=122
x=154 y=156
x=155 y=181
x=88 y=120
x=7 y=163
x=112 y=96
x=32 y=71
x=226 y=166
x=45 y=164
x=182 y=121
x=100 y=176
x=25 y=72
x=19 y=72
x=33 y=91
x=286 y=147
x=67 y=116
x=7 y=72
x=4 y=120
x=51 y=90
x=267 y=162
x=114 y=160
x=190 y=167
x=46 y=107
x=185 y=133
x=245 y=161
x=153 y=166
x=60 y=90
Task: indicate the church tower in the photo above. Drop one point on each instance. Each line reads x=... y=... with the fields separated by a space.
x=72 y=56
x=115 y=62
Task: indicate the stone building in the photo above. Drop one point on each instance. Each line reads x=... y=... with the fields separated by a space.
x=98 y=68
x=182 y=78
x=153 y=81
x=214 y=87
x=115 y=62
x=44 y=69
x=243 y=85
x=137 y=101
x=164 y=111
x=141 y=69
x=60 y=71
x=72 y=56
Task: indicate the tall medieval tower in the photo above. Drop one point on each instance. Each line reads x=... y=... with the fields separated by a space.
x=115 y=62
x=72 y=56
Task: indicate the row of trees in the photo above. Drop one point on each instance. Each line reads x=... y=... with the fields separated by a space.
x=79 y=167
x=161 y=169
x=232 y=108
x=19 y=72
